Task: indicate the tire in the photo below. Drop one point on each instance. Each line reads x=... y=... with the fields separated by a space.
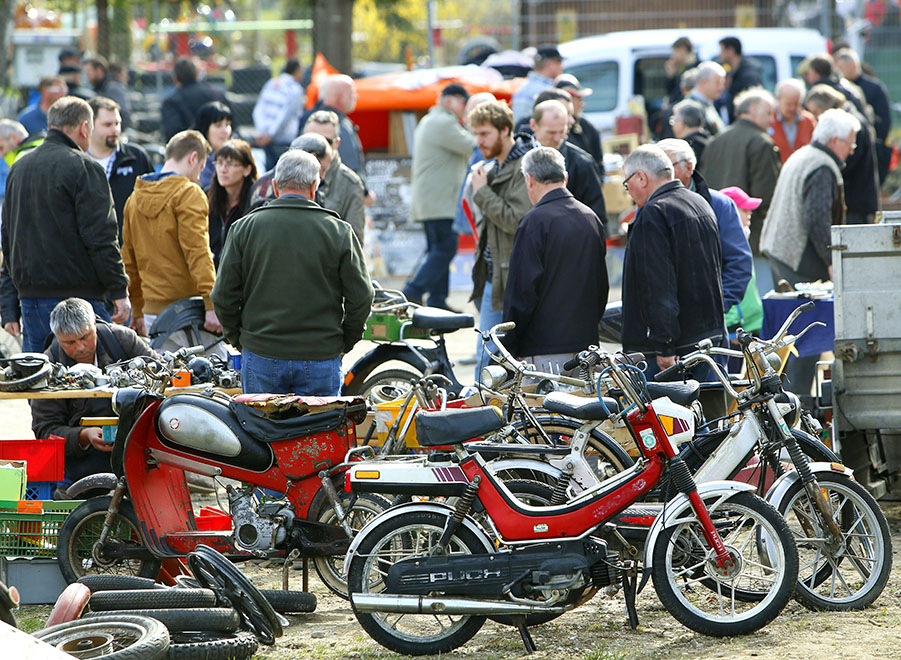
x=290 y=602
x=390 y=541
x=366 y=506
x=136 y=637
x=82 y=529
x=216 y=646
x=207 y=619
x=853 y=576
x=152 y=599
x=766 y=564
x=10 y=383
x=396 y=378
x=118 y=582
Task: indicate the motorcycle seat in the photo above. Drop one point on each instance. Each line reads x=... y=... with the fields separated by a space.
x=682 y=394
x=452 y=426
x=276 y=417
x=440 y=320
x=580 y=407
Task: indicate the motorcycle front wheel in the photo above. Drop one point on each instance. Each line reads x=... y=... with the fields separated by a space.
x=81 y=530
x=411 y=534
x=846 y=574
x=765 y=563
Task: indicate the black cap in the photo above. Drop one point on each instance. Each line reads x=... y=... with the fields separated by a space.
x=68 y=52
x=455 y=89
x=548 y=53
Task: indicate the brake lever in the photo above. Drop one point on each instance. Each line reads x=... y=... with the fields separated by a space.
x=804 y=331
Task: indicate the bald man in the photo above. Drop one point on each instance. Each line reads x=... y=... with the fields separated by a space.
x=339 y=95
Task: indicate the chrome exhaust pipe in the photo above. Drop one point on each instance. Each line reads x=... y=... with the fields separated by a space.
x=395 y=604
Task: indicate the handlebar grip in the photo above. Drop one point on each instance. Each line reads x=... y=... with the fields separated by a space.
x=669 y=371
x=807 y=306
x=504 y=327
x=571 y=364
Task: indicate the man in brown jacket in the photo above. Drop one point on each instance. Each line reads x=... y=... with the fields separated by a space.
x=165 y=235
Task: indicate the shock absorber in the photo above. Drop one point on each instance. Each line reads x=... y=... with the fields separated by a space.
x=560 y=489
x=464 y=504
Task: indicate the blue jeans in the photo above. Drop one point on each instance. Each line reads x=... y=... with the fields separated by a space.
x=488 y=318
x=36 y=320
x=434 y=274
x=303 y=377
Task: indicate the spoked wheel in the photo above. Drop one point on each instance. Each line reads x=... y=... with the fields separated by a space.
x=80 y=533
x=715 y=600
x=397 y=379
x=845 y=574
x=111 y=637
x=217 y=573
x=365 y=507
x=411 y=534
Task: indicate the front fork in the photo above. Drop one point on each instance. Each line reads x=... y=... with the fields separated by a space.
x=111 y=513
x=685 y=483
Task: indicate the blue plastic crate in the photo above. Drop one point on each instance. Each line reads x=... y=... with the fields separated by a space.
x=40 y=490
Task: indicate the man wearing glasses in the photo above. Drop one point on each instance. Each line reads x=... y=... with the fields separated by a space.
x=672 y=292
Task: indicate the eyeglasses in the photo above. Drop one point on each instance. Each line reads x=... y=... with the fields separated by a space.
x=626 y=182
x=229 y=164
x=851 y=144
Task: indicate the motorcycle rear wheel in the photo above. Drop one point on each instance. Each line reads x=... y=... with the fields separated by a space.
x=407 y=535
x=398 y=379
x=81 y=531
x=766 y=563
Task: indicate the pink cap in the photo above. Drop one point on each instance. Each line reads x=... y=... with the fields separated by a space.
x=741 y=198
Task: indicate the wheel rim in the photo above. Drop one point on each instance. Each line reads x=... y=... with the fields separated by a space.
x=702 y=590
x=408 y=541
x=92 y=640
x=842 y=572
x=83 y=559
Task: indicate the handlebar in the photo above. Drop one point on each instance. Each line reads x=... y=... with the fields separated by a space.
x=800 y=309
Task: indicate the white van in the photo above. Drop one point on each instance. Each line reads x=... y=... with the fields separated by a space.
x=619 y=65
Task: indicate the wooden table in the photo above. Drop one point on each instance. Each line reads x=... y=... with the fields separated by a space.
x=104 y=393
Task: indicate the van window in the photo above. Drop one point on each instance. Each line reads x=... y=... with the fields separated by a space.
x=603 y=78
x=650 y=78
x=767 y=70
x=796 y=62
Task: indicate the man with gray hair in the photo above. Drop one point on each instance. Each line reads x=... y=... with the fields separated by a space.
x=557 y=283
x=688 y=124
x=672 y=292
x=80 y=338
x=60 y=237
x=791 y=126
x=711 y=82
x=293 y=344
x=744 y=155
x=808 y=200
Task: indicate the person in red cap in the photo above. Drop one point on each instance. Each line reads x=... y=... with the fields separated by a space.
x=748 y=314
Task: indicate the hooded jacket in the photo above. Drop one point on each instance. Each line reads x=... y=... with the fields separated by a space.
x=166 y=243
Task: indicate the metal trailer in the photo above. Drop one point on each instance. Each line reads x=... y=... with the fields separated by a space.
x=866 y=376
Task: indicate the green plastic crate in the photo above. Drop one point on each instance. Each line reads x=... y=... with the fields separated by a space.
x=386 y=327
x=32 y=534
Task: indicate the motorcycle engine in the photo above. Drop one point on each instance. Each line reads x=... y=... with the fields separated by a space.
x=259 y=526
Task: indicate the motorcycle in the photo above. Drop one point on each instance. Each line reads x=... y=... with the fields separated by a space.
x=424 y=576
x=295 y=446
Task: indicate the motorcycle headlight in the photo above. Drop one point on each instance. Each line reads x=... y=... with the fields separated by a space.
x=493 y=375
x=790 y=406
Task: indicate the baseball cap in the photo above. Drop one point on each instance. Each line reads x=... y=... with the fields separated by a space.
x=741 y=198
x=455 y=89
x=548 y=53
x=568 y=82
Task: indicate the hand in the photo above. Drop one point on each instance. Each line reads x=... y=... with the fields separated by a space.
x=665 y=362
x=13 y=328
x=139 y=326
x=94 y=436
x=830 y=277
x=263 y=140
x=479 y=178
x=122 y=310
x=211 y=322
x=370 y=198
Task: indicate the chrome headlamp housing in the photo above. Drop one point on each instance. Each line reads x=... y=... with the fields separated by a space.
x=494 y=375
x=789 y=406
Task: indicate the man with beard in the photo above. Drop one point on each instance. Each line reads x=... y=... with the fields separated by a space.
x=123 y=163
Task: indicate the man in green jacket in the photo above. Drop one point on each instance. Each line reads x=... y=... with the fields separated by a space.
x=441 y=152
x=292 y=291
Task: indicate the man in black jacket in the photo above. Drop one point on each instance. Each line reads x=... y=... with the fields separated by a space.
x=550 y=124
x=557 y=284
x=672 y=291
x=744 y=72
x=123 y=163
x=59 y=234
x=180 y=108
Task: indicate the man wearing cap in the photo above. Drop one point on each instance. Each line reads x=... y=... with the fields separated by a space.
x=441 y=151
x=548 y=65
x=583 y=134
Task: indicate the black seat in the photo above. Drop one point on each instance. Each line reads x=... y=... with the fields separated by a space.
x=266 y=428
x=580 y=407
x=440 y=320
x=682 y=394
x=448 y=427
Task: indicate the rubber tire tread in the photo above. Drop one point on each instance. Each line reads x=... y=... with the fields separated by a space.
x=240 y=646
x=154 y=646
x=815 y=603
x=696 y=622
x=290 y=602
x=152 y=599
x=180 y=619
x=26 y=383
x=374 y=379
x=105 y=582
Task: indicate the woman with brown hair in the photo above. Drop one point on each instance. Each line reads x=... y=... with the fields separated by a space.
x=229 y=190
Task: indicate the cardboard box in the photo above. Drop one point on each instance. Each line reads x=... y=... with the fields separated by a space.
x=13 y=478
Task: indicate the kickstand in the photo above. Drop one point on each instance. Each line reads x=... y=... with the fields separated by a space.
x=289 y=561
x=524 y=633
x=630 y=582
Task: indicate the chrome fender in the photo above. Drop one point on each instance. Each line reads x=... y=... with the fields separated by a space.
x=678 y=510
x=393 y=512
x=777 y=491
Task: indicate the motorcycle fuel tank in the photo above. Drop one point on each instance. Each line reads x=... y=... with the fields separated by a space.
x=189 y=425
